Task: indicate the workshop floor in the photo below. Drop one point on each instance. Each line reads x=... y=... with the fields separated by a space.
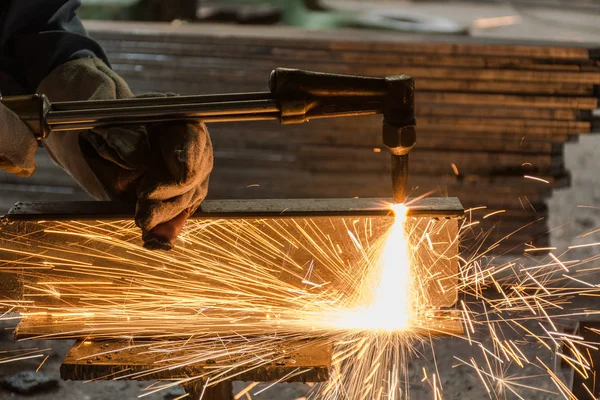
x=567 y=218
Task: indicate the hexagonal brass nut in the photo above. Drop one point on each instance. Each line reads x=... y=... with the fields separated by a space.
x=399 y=141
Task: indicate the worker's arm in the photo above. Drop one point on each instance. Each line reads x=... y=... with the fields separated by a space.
x=36 y=36
x=163 y=168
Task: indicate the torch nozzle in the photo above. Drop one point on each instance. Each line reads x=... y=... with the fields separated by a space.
x=399 y=177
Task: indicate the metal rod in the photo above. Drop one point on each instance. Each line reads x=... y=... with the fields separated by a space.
x=138 y=121
x=399 y=177
x=428 y=207
x=163 y=111
x=338 y=114
x=156 y=101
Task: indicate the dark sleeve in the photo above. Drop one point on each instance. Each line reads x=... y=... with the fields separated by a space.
x=37 y=36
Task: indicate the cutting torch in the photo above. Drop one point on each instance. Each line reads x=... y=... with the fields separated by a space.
x=295 y=97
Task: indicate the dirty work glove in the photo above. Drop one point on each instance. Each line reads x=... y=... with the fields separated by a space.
x=17 y=144
x=163 y=168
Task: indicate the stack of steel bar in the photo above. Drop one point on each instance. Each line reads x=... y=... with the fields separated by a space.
x=492 y=115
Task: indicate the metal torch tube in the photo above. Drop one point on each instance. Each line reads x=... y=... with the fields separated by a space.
x=71 y=126
x=399 y=177
x=174 y=111
x=157 y=101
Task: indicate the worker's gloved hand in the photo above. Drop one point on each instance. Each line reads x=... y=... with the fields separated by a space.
x=163 y=168
x=17 y=144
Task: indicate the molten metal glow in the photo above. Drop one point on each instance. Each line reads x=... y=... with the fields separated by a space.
x=389 y=303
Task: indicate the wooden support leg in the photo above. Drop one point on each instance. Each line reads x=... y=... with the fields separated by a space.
x=222 y=391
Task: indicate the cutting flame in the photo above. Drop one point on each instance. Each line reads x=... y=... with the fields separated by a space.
x=392 y=308
x=388 y=305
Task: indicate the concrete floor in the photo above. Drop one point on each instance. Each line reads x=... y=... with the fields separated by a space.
x=568 y=220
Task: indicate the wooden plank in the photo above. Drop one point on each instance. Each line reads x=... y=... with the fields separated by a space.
x=150 y=53
x=478 y=111
x=503 y=229
x=148 y=49
x=477 y=45
x=495 y=244
x=580 y=103
x=233 y=183
x=472 y=61
x=366 y=132
x=289 y=178
x=318 y=158
x=286 y=138
x=322 y=159
x=199 y=76
x=144 y=360
x=490 y=214
x=441 y=141
x=559 y=127
x=553 y=88
x=518 y=182
x=344 y=39
x=253 y=68
x=494 y=133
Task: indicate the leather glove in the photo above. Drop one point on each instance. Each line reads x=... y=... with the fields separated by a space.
x=164 y=167
x=17 y=144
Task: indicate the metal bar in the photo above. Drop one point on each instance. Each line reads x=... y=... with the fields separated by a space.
x=429 y=207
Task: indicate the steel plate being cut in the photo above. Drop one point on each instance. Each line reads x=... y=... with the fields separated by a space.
x=65 y=263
